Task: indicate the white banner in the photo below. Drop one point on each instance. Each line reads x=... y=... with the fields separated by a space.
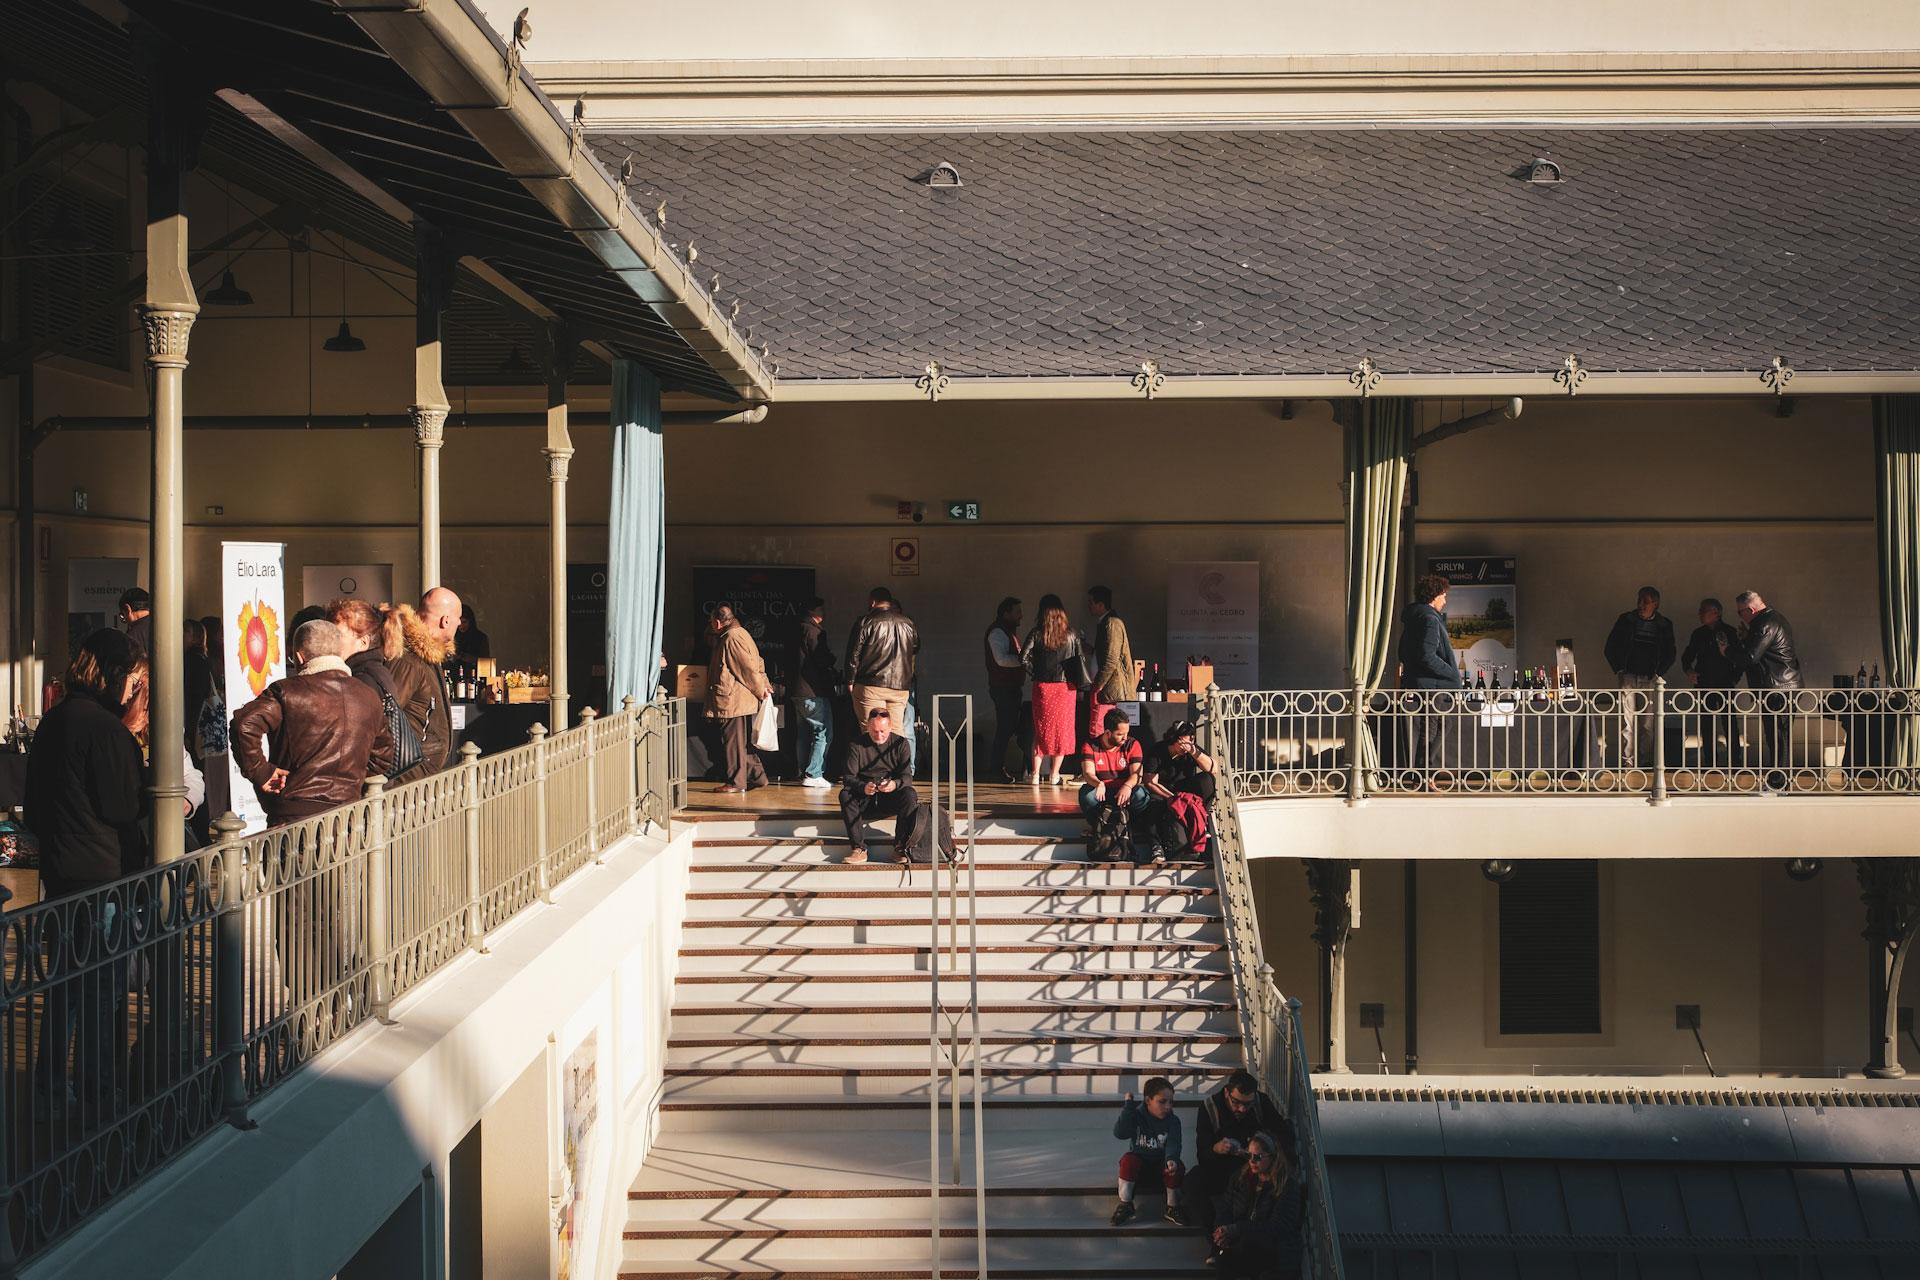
x=1213 y=611
x=253 y=601
x=321 y=584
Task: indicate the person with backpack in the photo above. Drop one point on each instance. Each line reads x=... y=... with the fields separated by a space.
x=1112 y=789
x=1230 y=1116
x=374 y=639
x=1180 y=785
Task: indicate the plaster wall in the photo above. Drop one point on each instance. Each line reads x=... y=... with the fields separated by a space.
x=764 y=29
x=1594 y=497
x=1776 y=966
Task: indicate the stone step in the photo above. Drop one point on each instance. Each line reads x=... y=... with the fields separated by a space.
x=774 y=850
x=847 y=898
x=1019 y=1018
x=895 y=986
x=875 y=1116
x=1062 y=1051
x=900 y=1209
x=1030 y=958
x=827 y=825
x=1033 y=927
x=850 y=1248
x=782 y=877
x=833 y=1082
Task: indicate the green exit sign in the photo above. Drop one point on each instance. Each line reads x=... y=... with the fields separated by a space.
x=963 y=511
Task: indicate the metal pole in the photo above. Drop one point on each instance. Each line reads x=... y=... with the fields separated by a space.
x=1659 y=740
x=230 y=968
x=379 y=901
x=557 y=463
x=630 y=708
x=587 y=717
x=433 y=291
x=933 y=1050
x=1356 y=747
x=543 y=871
x=973 y=1006
x=470 y=791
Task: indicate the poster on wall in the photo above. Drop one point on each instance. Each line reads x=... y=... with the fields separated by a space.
x=1481 y=619
x=94 y=585
x=253 y=605
x=587 y=636
x=1213 y=611
x=579 y=1134
x=768 y=599
x=322 y=583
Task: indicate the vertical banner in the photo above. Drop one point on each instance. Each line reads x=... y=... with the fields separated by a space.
x=253 y=602
x=321 y=584
x=587 y=636
x=1481 y=618
x=1213 y=611
x=93 y=596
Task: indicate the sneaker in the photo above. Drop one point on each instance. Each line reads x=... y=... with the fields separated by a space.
x=857 y=856
x=816 y=784
x=1177 y=1215
x=1122 y=1214
x=1214 y=1257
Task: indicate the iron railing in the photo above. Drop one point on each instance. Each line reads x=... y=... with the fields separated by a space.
x=953 y=809
x=140 y=1015
x=1270 y=1033
x=1652 y=743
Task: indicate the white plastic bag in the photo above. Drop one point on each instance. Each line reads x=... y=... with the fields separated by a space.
x=766 y=726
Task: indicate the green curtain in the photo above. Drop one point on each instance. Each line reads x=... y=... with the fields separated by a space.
x=1896 y=440
x=1379 y=435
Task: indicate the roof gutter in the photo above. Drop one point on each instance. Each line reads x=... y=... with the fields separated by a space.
x=471 y=75
x=1542 y=385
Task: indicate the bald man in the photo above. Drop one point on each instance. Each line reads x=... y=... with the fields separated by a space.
x=420 y=688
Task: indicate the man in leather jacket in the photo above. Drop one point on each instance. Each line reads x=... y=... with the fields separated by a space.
x=1767 y=655
x=881 y=655
x=310 y=741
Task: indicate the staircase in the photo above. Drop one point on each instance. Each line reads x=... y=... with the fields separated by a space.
x=794 y=1134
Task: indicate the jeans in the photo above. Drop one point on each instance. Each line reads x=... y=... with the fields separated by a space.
x=913 y=740
x=1136 y=803
x=813 y=730
x=86 y=1012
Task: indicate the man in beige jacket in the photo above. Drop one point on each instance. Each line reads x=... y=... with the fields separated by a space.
x=736 y=686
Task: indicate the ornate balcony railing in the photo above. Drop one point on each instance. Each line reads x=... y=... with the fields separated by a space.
x=1652 y=743
x=1270 y=1032
x=143 y=1014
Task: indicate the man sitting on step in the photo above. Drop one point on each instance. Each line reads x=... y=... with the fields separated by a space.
x=1229 y=1117
x=880 y=785
x=1152 y=1133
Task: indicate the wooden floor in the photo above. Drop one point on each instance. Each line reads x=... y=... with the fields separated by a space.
x=705 y=802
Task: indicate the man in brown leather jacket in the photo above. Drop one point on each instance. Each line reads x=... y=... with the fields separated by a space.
x=310 y=742
x=420 y=687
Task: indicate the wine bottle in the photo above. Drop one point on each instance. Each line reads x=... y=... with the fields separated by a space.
x=1860 y=676
x=1876 y=675
x=1480 y=682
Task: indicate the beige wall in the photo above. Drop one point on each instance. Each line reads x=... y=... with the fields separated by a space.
x=767 y=29
x=1777 y=967
x=1594 y=497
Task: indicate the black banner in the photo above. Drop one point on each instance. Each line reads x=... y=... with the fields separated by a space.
x=768 y=599
x=587 y=636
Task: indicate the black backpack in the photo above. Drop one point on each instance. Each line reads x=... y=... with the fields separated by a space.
x=407 y=748
x=1110 y=837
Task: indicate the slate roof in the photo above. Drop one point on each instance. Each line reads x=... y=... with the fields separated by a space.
x=1296 y=252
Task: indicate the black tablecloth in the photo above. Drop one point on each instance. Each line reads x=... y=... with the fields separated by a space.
x=13 y=779
x=500 y=726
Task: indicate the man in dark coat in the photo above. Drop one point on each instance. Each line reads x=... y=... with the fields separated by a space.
x=1639 y=650
x=1770 y=660
x=812 y=691
x=1427 y=662
x=1229 y=1116
x=1711 y=661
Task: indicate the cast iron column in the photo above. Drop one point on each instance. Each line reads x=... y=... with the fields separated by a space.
x=433 y=288
x=1891 y=889
x=1331 y=885
x=559 y=346
x=176 y=119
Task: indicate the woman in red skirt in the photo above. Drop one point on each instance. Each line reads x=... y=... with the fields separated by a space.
x=1054 y=657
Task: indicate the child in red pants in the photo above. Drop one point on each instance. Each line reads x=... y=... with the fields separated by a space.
x=1152 y=1133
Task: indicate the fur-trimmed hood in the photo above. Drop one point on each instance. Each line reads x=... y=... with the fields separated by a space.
x=421 y=642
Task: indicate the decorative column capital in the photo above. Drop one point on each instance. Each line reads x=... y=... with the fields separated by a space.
x=429 y=424
x=557 y=463
x=167 y=329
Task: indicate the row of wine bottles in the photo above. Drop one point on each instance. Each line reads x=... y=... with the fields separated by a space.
x=1536 y=678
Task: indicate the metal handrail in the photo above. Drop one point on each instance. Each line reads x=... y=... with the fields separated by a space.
x=1653 y=744
x=952 y=809
x=141 y=1014
x=1270 y=1032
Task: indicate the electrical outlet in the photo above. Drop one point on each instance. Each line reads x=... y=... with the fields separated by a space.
x=1686 y=1017
x=1373 y=1016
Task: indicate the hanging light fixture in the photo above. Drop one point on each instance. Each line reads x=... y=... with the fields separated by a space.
x=516 y=363
x=344 y=341
x=228 y=292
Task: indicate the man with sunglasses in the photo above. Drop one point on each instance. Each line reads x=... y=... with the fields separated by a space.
x=1229 y=1117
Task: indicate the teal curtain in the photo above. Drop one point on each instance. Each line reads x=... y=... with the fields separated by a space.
x=1379 y=439
x=1896 y=441
x=636 y=536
